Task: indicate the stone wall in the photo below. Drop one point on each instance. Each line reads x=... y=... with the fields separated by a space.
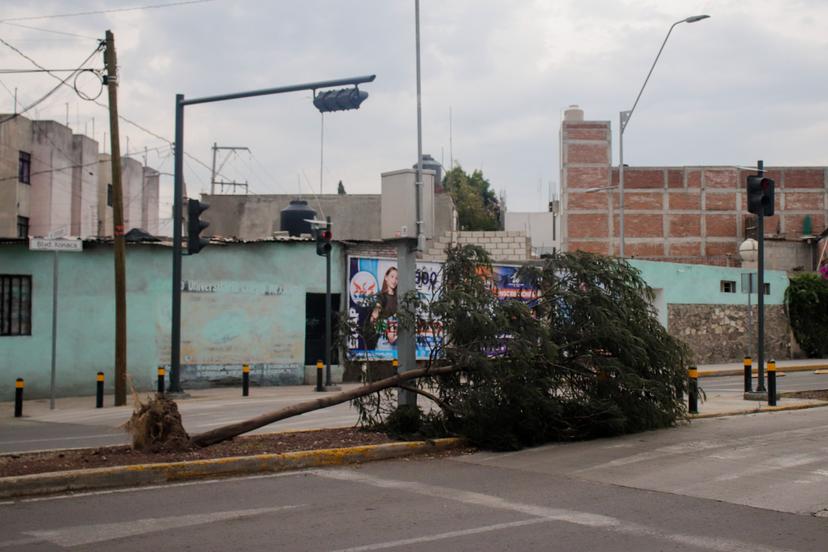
x=720 y=333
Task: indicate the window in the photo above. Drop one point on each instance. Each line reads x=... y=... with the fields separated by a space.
x=109 y=195
x=727 y=286
x=15 y=305
x=24 y=172
x=767 y=289
x=22 y=227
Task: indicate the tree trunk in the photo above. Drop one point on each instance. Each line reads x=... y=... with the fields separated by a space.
x=223 y=433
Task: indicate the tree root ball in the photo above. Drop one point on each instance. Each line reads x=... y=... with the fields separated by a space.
x=156 y=426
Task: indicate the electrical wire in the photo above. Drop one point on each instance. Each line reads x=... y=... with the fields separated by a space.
x=101 y=12
x=104 y=106
x=75 y=35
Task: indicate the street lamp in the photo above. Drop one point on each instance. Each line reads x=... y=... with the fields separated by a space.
x=625 y=118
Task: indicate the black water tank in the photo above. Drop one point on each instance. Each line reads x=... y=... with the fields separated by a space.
x=294 y=216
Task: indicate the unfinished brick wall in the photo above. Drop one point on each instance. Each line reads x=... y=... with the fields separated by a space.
x=683 y=214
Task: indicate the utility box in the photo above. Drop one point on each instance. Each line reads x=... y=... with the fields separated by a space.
x=399 y=204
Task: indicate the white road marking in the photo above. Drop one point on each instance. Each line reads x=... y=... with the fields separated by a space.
x=442 y=536
x=771 y=465
x=757 y=442
x=88 y=534
x=154 y=487
x=544 y=513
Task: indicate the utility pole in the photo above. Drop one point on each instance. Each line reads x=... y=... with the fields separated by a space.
x=111 y=81
x=214 y=172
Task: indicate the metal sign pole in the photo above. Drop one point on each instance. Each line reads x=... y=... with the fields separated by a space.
x=54 y=326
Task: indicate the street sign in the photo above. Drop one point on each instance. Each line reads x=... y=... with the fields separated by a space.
x=45 y=244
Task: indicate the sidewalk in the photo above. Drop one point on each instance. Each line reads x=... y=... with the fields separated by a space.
x=737 y=368
x=75 y=422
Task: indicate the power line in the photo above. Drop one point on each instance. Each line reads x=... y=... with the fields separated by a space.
x=100 y=12
x=99 y=104
x=50 y=31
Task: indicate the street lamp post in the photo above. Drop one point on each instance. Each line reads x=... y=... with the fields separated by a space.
x=624 y=118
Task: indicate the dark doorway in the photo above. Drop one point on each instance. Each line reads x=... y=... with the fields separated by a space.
x=315 y=328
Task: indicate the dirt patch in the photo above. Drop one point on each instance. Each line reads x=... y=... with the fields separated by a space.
x=63 y=460
x=816 y=394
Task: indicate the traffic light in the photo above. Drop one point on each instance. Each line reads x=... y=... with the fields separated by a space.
x=760 y=195
x=195 y=225
x=339 y=100
x=323 y=242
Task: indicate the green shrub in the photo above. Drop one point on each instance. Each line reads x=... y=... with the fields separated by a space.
x=806 y=302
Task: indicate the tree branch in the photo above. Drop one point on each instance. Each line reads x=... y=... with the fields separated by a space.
x=232 y=430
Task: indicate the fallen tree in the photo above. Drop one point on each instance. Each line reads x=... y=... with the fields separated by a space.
x=584 y=357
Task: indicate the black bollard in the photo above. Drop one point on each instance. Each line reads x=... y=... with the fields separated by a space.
x=320 y=366
x=245 y=380
x=18 y=397
x=99 y=388
x=748 y=374
x=161 y=373
x=771 y=383
x=694 y=390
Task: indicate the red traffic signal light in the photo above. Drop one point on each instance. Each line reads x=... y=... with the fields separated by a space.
x=323 y=241
x=760 y=195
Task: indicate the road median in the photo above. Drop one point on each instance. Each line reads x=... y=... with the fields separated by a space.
x=172 y=472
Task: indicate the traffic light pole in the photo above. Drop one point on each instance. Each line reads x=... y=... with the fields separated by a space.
x=328 y=313
x=180 y=103
x=760 y=277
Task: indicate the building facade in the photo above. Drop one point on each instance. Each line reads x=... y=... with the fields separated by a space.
x=56 y=182
x=693 y=214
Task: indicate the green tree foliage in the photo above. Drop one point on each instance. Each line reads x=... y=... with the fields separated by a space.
x=341 y=189
x=806 y=301
x=589 y=359
x=477 y=205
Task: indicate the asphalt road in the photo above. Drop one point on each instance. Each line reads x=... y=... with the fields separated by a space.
x=739 y=484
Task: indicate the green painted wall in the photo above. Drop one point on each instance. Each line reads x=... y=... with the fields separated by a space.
x=701 y=284
x=243 y=303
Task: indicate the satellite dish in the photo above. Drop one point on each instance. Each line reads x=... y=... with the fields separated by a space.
x=318 y=222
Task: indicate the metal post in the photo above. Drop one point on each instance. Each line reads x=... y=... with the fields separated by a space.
x=771 y=382
x=18 y=397
x=175 y=333
x=99 y=390
x=623 y=123
x=320 y=367
x=54 y=328
x=245 y=380
x=328 y=312
x=748 y=363
x=694 y=390
x=406 y=336
x=161 y=374
x=418 y=181
x=760 y=290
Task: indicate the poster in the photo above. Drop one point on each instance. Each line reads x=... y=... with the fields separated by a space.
x=372 y=304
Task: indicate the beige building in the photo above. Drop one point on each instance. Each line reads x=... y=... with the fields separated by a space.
x=55 y=181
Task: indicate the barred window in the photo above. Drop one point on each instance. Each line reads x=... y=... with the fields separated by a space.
x=15 y=305
x=22 y=227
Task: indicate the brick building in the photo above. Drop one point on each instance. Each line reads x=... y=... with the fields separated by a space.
x=693 y=214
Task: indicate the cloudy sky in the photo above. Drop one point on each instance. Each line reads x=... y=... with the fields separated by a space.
x=749 y=83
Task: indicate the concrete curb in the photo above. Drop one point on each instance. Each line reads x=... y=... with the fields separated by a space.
x=758 y=410
x=741 y=371
x=170 y=472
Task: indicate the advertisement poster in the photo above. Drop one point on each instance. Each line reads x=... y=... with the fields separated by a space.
x=372 y=303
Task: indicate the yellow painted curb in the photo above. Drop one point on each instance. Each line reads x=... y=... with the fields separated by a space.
x=758 y=410
x=168 y=472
